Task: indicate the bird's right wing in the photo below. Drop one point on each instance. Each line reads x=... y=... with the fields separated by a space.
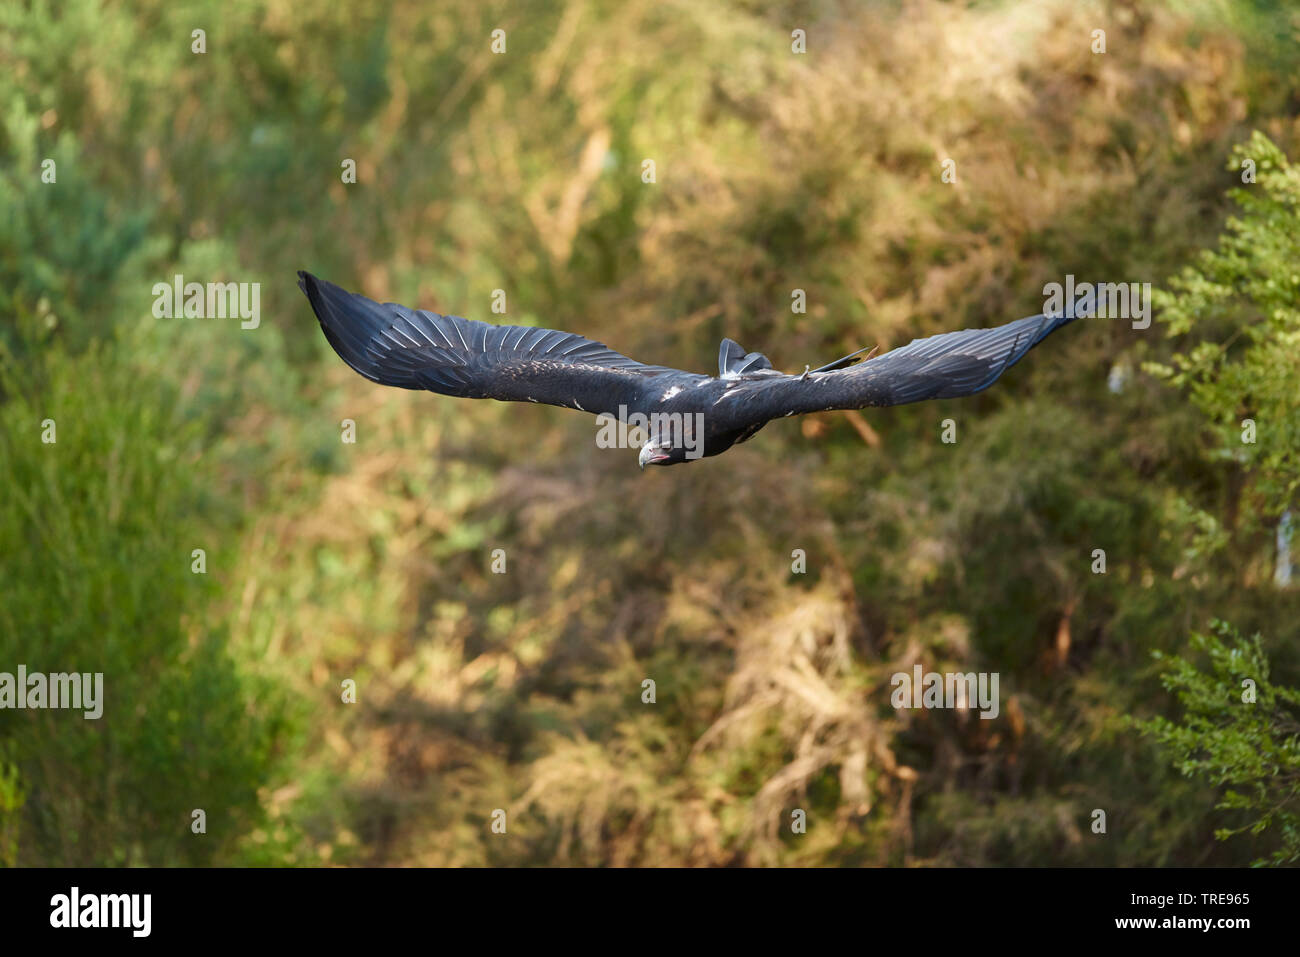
x=415 y=349
x=945 y=366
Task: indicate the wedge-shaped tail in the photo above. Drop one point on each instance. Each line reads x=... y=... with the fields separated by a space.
x=734 y=361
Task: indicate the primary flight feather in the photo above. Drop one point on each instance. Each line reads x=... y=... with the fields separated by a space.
x=416 y=349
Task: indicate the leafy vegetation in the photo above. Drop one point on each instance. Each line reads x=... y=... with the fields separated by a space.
x=1241 y=306
x=1240 y=731
x=524 y=692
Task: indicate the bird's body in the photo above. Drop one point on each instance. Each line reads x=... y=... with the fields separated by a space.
x=415 y=349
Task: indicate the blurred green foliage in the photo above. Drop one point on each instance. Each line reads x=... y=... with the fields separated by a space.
x=102 y=520
x=1240 y=731
x=1241 y=303
x=1239 y=306
x=522 y=172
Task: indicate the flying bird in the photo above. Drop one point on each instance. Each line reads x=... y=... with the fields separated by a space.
x=416 y=349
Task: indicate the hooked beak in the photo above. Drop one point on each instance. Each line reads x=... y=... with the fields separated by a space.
x=649 y=454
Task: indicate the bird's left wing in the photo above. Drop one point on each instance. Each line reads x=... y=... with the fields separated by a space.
x=417 y=349
x=945 y=366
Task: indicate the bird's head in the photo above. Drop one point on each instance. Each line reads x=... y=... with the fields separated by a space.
x=656 y=453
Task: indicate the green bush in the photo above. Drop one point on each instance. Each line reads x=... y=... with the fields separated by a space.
x=1240 y=731
x=98 y=529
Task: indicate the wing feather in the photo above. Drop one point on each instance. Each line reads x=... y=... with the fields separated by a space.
x=946 y=366
x=392 y=345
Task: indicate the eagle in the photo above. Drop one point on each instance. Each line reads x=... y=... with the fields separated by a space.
x=684 y=415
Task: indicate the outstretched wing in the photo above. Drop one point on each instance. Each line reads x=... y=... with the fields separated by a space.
x=415 y=349
x=946 y=366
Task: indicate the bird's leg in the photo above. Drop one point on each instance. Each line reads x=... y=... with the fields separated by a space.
x=874 y=350
x=805 y=373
